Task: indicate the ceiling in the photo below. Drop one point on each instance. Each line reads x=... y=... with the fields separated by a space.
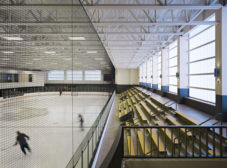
x=134 y=30
x=51 y=35
x=130 y=31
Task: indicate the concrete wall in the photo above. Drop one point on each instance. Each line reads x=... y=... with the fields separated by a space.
x=127 y=76
x=38 y=79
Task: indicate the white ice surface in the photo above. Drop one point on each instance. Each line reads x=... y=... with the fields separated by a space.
x=48 y=121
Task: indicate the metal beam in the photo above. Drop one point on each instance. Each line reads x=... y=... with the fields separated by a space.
x=140 y=33
x=155 y=23
x=85 y=34
x=116 y=6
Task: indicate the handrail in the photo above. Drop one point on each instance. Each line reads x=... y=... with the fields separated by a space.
x=94 y=134
x=177 y=126
x=209 y=142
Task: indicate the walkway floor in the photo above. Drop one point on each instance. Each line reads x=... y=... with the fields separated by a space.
x=110 y=133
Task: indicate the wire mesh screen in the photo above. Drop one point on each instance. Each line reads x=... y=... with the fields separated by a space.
x=40 y=38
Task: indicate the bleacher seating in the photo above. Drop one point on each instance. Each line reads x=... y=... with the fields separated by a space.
x=148 y=111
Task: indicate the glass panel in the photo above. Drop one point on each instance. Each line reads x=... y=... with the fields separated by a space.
x=92 y=75
x=172 y=71
x=41 y=41
x=144 y=72
x=56 y=75
x=206 y=95
x=202 y=67
x=173 y=52
x=203 y=81
x=141 y=73
x=203 y=52
x=206 y=66
x=173 y=61
x=203 y=38
x=172 y=80
x=159 y=72
x=74 y=75
x=173 y=89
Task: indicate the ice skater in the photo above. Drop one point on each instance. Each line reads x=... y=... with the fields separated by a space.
x=60 y=92
x=21 y=139
x=81 y=122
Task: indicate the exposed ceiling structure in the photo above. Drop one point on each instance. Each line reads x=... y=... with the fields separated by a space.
x=133 y=30
x=57 y=34
x=49 y=35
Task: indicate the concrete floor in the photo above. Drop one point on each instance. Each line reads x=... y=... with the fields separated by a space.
x=50 y=123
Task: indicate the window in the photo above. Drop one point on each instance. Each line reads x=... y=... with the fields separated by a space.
x=94 y=75
x=56 y=75
x=74 y=75
x=144 y=72
x=173 y=56
x=159 y=71
x=202 y=62
x=141 y=73
x=149 y=71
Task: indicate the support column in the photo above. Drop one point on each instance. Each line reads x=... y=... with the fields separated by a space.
x=183 y=68
x=165 y=71
x=155 y=73
x=221 y=63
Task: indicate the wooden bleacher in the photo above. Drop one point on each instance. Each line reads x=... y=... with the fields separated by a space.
x=150 y=110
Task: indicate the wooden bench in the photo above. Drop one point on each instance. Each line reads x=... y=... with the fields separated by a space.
x=125 y=111
x=137 y=98
x=140 y=112
x=133 y=100
x=157 y=142
x=152 y=105
x=174 y=122
x=143 y=145
x=187 y=118
x=129 y=102
x=124 y=104
x=131 y=150
x=147 y=109
x=119 y=106
x=168 y=133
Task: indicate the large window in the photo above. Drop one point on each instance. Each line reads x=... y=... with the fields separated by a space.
x=202 y=62
x=173 y=56
x=141 y=73
x=94 y=75
x=159 y=71
x=56 y=75
x=144 y=72
x=149 y=71
x=74 y=75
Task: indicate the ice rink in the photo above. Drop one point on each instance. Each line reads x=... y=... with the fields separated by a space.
x=52 y=123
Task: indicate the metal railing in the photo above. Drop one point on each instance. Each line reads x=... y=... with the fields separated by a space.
x=174 y=141
x=84 y=154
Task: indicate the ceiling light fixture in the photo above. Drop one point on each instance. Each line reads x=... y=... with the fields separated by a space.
x=50 y=52
x=13 y=38
x=76 y=38
x=6 y=59
x=99 y=59
x=91 y=52
x=7 y=52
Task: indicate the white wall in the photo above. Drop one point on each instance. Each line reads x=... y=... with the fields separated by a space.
x=127 y=76
x=38 y=79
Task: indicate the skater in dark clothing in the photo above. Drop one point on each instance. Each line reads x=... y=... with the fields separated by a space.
x=81 y=122
x=21 y=139
x=60 y=92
